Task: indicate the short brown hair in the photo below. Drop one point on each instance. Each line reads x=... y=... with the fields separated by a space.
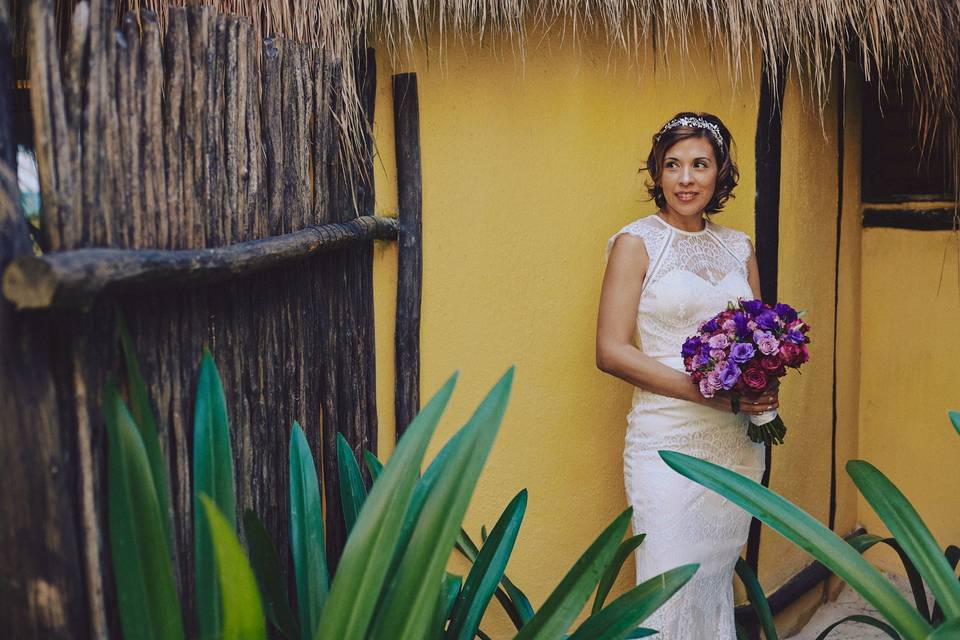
x=727 y=173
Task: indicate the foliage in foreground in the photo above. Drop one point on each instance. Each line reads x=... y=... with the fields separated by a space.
x=927 y=565
x=391 y=581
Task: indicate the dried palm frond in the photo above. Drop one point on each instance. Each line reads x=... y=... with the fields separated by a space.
x=916 y=42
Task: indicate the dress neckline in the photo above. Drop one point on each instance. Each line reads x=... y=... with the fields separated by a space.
x=706 y=226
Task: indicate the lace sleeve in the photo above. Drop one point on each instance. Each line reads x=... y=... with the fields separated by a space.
x=652 y=237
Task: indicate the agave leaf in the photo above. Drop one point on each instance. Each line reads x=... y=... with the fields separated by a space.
x=757 y=598
x=242 y=610
x=514 y=601
x=266 y=568
x=868 y=620
x=406 y=607
x=306 y=533
x=640 y=632
x=911 y=533
x=620 y=618
x=563 y=605
x=213 y=476
x=807 y=533
x=373 y=464
x=949 y=630
x=143 y=417
x=486 y=571
x=627 y=547
x=955 y=419
x=952 y=554
x=146 y=593
x=366 y=556
x=449 y=591
x=352 y=491
x=863 y=542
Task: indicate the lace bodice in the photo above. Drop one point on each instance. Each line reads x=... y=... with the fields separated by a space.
x=691 y=275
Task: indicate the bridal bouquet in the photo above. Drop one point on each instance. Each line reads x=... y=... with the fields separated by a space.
x=745 y=350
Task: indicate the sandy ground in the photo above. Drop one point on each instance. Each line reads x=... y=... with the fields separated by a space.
x=848 y=603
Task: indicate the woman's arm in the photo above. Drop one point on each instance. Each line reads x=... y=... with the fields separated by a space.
x=616 y=322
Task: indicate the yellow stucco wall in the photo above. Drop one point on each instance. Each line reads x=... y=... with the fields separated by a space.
x=909 y=363
x=528 y=168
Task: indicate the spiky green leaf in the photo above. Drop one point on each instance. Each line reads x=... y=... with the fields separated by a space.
x=306 y=534
x=266 y=567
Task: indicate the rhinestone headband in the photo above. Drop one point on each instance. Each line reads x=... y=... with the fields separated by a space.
x=695 y=122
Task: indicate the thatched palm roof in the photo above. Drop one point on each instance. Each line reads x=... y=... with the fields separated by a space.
x=914 y=41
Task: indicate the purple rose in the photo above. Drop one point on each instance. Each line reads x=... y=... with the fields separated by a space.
x=741 y=352
x=710 y=326
x=786 y=312
x=729 y=375
x=705 y=389
x=719 y=341
x=768 y=345
x=691 y=346
x=752 y=307
x=767 y=320
x=700 y=360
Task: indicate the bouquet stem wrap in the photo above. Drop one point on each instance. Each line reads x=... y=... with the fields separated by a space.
x=767 y=427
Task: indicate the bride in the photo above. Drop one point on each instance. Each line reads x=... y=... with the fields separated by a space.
x=666 y=273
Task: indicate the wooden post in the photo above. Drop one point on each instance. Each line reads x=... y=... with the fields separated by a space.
x=41 y=581
x=406 y=115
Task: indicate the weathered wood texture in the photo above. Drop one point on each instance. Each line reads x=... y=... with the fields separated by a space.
x=194 y=139
x=75 y=278
x=406 y=117
x=41 y=586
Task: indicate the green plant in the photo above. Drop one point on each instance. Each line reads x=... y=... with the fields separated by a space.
x=911 y=538
x=391 y=580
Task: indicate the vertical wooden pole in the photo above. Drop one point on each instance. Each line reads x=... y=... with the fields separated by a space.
x=406 y=117
x=767 y=221
x=41 y=580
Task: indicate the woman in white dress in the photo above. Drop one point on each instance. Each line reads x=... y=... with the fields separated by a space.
x=666 y=273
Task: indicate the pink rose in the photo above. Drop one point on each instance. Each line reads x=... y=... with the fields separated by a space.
x=719 y=341
x=718 y=354
x=705 y=389
x=729 y=325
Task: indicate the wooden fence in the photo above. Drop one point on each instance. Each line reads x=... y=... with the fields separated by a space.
x=195 y=180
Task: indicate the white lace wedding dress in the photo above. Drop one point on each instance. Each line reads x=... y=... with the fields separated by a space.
x=690 y=277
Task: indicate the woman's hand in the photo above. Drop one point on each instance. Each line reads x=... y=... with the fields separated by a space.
x=721 y=401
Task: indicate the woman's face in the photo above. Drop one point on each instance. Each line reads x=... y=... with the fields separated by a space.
x=689 y=176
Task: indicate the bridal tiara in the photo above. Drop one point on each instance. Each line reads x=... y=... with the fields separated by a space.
x=696 y=122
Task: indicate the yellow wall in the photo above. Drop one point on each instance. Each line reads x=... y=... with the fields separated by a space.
x=909 y=366
x=528 y=168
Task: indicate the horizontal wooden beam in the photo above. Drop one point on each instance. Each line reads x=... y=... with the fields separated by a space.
x=74 y=278
x=916 y=219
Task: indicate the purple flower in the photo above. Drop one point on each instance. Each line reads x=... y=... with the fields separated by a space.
x=729 y=326
x=710 y=326
x=705 y=390
x=740 y=320
x=767 y=344
x=691 y=346
x=718 y=354
x=729 y=375
x=741 y=352
x=753 y=307
x=767 y=320
x=786 y=312
x=795 y=337
x=700 y=361
x=719 y=341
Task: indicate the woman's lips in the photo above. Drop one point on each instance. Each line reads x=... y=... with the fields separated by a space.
x=686 y=197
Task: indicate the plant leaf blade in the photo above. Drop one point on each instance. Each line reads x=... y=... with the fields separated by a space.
x=306 y=533
x=266 y=568
x=242 y=609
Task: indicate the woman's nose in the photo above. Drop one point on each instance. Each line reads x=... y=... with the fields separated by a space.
x=686 y=177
